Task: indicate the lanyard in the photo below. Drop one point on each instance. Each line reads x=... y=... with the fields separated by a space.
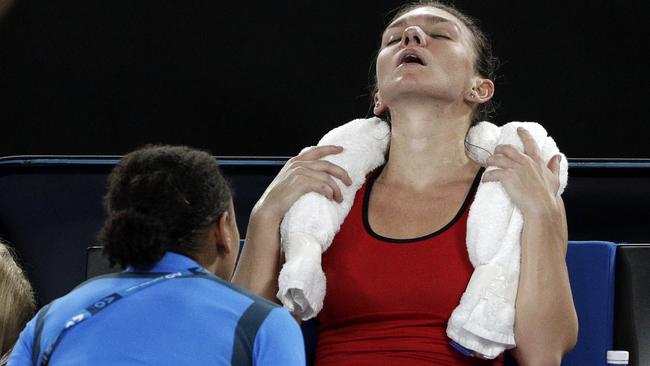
x=111 y=299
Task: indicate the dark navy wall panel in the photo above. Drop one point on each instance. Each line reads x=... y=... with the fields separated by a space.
x=50 y=208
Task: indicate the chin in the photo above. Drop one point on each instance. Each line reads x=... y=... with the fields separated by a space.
x=412 y=86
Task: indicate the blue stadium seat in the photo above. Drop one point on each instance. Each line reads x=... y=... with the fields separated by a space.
x=591 y=271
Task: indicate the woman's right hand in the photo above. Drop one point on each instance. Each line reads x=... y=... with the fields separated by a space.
x=302 y=174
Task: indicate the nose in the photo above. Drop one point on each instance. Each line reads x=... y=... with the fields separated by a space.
x=414 y=36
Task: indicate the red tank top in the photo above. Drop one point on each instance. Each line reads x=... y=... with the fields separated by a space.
x=388 y=300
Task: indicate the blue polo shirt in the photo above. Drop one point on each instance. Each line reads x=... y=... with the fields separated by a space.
x=200 y=320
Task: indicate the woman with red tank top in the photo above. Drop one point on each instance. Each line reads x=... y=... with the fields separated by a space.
x=386 y=302
x=399 y=265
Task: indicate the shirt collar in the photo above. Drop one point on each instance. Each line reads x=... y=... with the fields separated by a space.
x=170 y=262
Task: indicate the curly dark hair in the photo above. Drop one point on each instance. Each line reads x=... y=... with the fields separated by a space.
x=161 y=198
x=485 y=64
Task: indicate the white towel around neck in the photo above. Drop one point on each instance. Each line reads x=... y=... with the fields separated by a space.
x=484 y=320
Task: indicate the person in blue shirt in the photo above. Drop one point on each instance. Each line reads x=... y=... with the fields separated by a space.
x=170 y=222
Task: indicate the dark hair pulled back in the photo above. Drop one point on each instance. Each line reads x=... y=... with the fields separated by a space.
x=161 y=198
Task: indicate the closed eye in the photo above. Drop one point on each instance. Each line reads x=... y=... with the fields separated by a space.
x=393 y=40
x=439 y=36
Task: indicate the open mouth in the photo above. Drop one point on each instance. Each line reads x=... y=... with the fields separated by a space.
x=411 y=58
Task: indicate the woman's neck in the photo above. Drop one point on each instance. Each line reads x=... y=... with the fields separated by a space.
x=427 y=146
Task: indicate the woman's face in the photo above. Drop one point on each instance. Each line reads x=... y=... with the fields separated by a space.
x=426 y=51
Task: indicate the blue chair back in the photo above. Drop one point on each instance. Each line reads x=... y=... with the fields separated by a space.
x=591 y=271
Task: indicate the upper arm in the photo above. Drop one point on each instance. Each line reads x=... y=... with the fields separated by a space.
x=279 y=341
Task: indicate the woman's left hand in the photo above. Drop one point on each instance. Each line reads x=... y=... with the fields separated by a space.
x=531 y=183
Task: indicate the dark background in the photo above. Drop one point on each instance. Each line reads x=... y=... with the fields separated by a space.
x=269 y=77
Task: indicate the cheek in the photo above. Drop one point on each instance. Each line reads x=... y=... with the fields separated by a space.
x=382 y=66
x=460 y=60
x=455 y=66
